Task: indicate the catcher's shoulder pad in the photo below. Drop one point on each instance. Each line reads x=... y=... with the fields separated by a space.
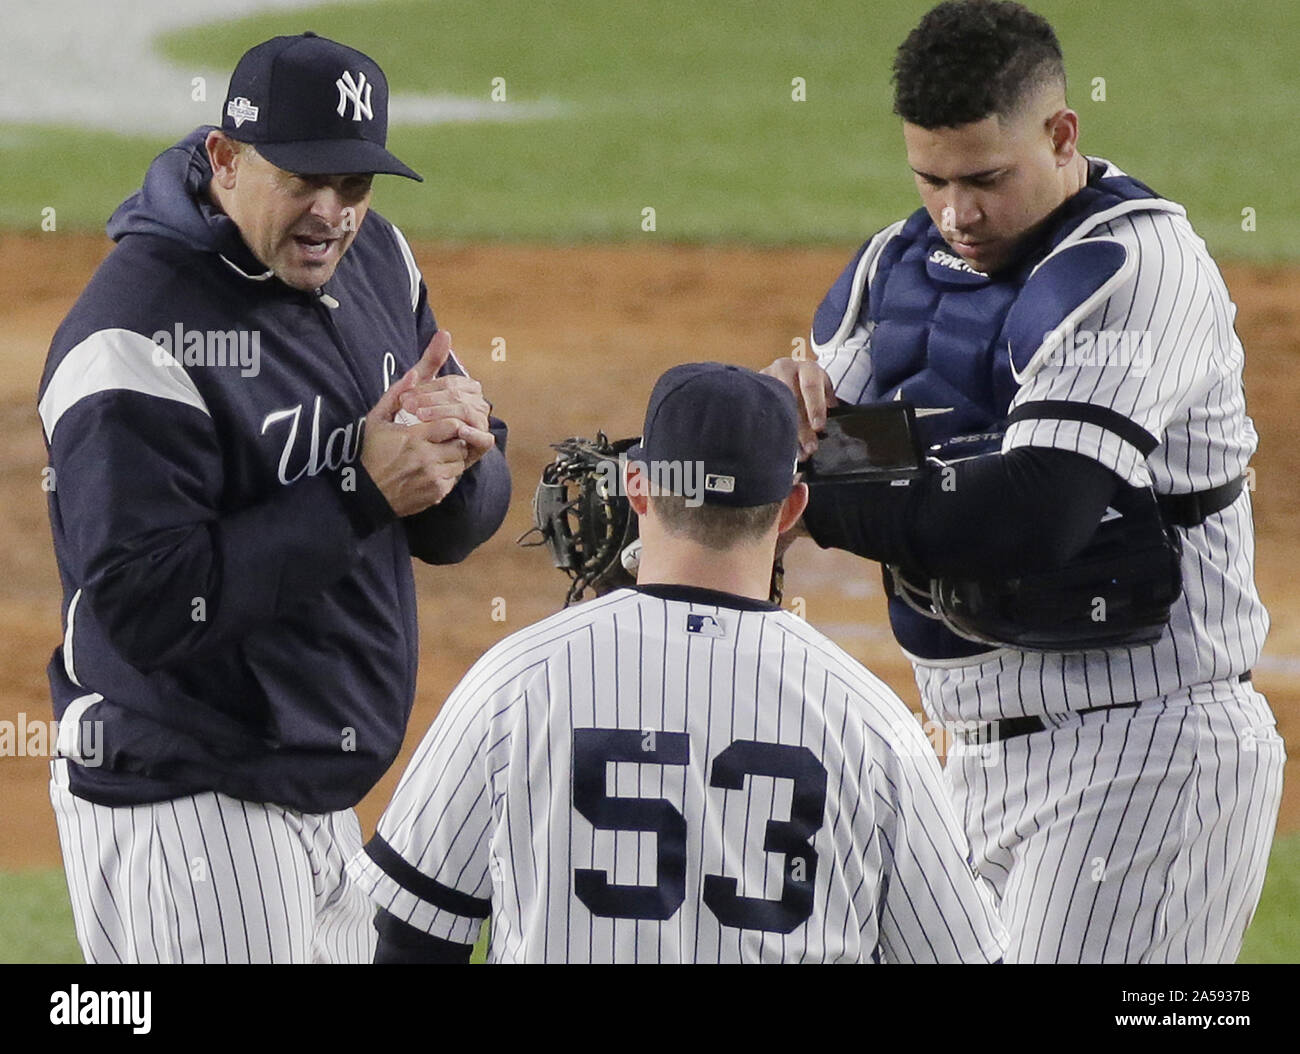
x=840 y=307
x=1061 y=291
x=835 y=306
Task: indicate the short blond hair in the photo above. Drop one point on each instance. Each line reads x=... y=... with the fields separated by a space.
x=718 y=527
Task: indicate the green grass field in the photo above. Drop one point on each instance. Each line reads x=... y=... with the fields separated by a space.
x=686 y=106
x=1274 y=936
x=36 y=923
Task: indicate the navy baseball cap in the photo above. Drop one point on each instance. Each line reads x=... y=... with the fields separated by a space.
x=312 y=106
x=741 y=426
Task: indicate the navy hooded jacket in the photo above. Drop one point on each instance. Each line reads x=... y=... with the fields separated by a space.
x=238 y=599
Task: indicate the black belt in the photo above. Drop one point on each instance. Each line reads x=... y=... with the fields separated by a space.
x=1009 y=727
x=1192 y=510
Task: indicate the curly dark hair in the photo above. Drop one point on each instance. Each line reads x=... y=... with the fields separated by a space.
x=969 y=59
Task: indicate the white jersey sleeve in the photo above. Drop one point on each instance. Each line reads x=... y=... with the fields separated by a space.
x=1160 y=363
x=428 y=864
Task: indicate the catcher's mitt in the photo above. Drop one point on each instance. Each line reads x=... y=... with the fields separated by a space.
x=581 y=513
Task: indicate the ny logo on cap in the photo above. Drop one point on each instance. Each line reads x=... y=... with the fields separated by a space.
x=356 y=90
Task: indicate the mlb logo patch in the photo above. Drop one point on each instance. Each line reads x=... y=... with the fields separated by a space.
x=720 y=484
x=705 y=626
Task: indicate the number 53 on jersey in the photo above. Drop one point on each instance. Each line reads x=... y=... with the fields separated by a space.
x=594 y=749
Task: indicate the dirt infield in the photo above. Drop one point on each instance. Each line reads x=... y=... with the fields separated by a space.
x=585 y=332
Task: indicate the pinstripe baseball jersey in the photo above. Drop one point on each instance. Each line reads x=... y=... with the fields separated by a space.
x=1158 y=364
x=673 y=774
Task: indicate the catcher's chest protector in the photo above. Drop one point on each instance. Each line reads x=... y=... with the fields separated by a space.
x=939 y=327
x=939 y=338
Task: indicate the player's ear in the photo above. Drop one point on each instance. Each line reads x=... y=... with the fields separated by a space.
x=222 y=155
x=635 y=486
x=1063 y=129
x=792 y=508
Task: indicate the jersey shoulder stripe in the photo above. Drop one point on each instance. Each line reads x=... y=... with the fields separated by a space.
x=412 y=268
x=415 y=881
x=115 y=360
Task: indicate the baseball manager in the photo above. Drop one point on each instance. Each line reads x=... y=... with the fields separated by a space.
x=254 y=424
x=1073 y=580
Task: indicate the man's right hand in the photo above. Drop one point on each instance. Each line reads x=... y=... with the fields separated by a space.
x=451 y=397
x=814 y=393
x=416 y=466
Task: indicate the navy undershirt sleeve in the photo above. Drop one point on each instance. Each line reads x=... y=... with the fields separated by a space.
x=401 y=943
x=1028 y=510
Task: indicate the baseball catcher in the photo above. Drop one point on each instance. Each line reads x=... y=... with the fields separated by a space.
x=1093 y=574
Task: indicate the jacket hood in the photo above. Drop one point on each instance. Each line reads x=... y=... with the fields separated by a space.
x=173 y=203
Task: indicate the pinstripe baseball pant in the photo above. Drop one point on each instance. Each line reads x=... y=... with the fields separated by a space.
x=209 y=878
x=1128 y=835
